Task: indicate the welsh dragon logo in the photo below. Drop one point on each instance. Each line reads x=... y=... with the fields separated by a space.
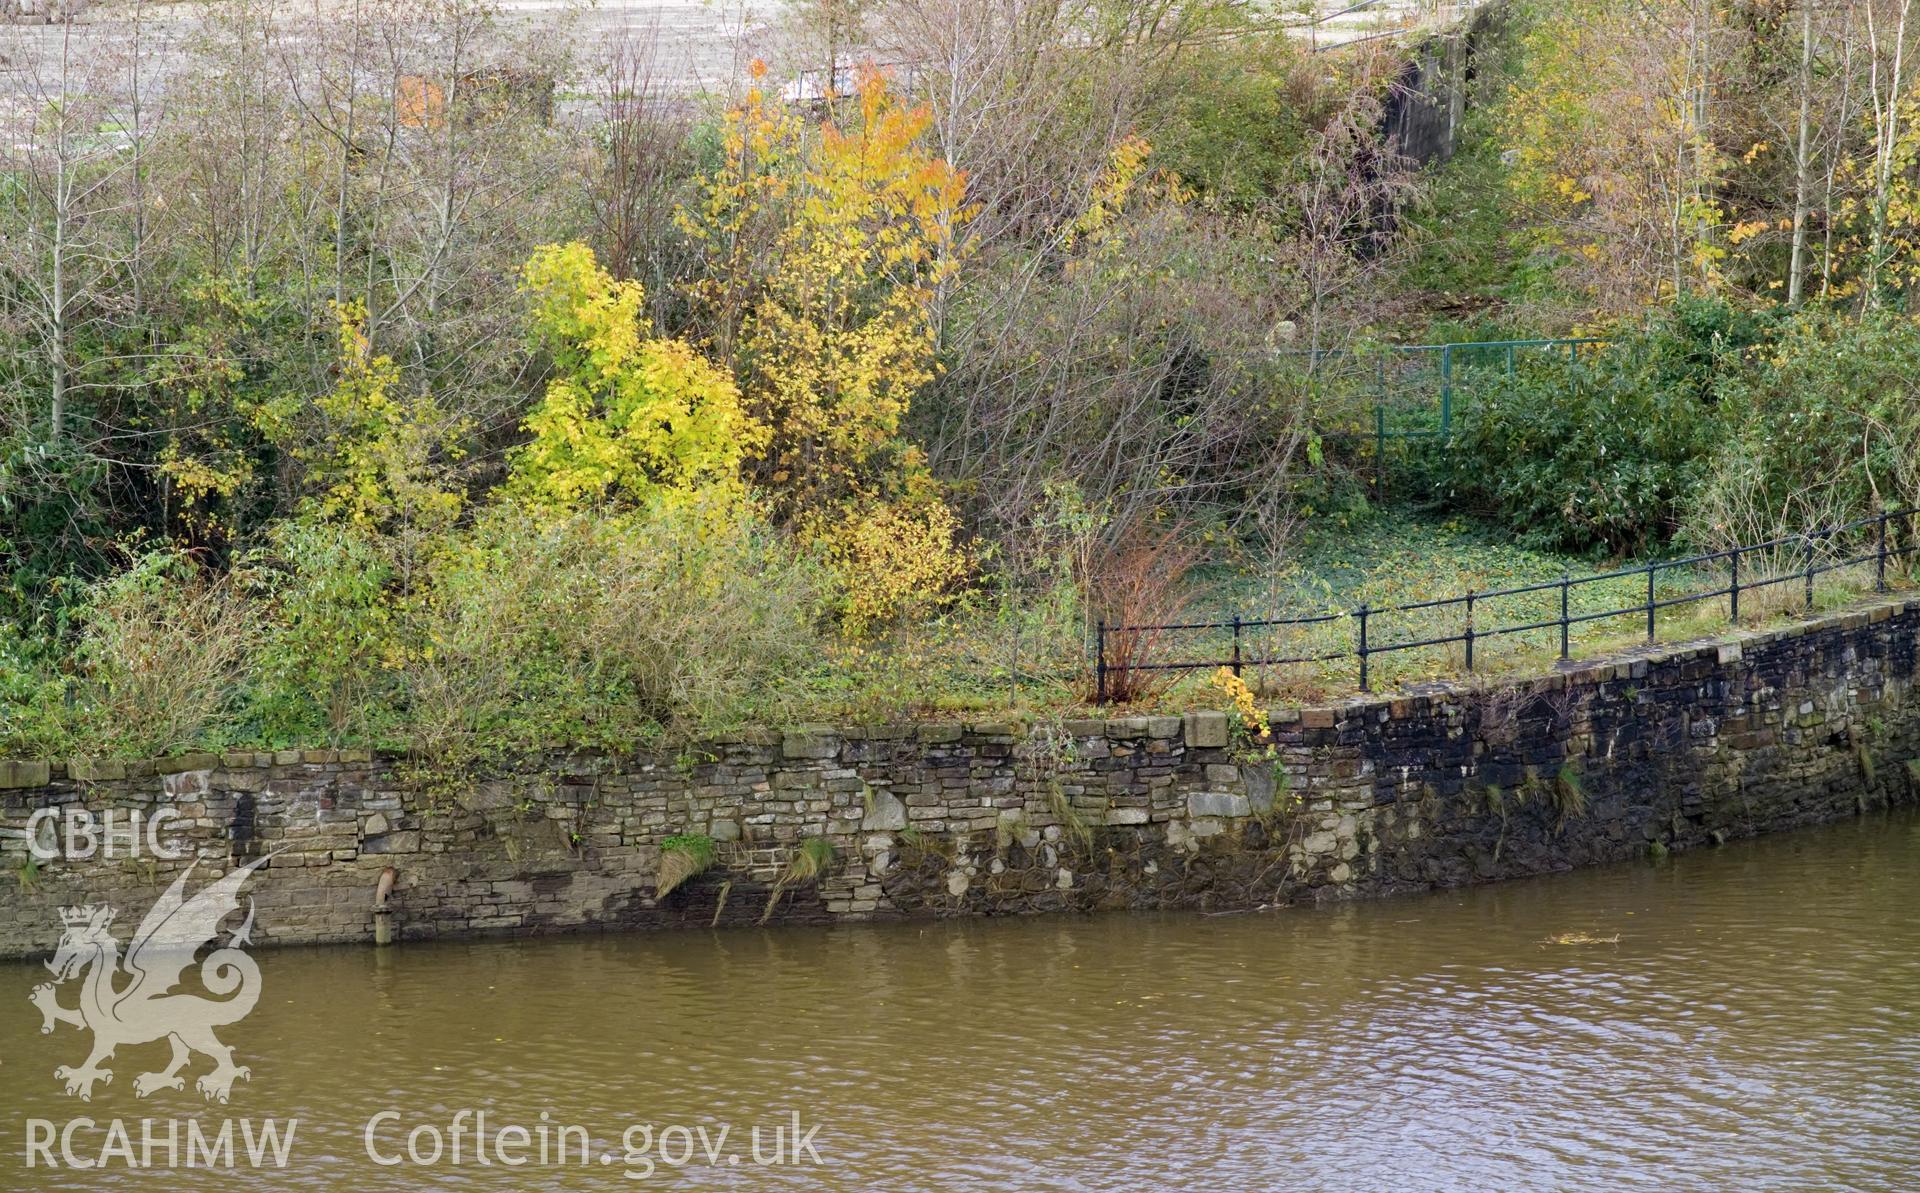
x=132 y=1001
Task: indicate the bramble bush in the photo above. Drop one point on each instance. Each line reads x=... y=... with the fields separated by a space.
x=162 y=658
x=601 y=630
x=1821 y=427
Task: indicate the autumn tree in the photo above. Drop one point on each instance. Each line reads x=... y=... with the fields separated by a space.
x=627 y=416
x=831 y=304
x=825 y=248
x=1611 y=133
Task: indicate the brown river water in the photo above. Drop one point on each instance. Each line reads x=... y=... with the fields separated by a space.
x=1753 y=1027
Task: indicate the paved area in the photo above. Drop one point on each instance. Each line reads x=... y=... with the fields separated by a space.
x=700 y=44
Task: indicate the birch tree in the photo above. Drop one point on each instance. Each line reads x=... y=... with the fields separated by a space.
x=1886 y=83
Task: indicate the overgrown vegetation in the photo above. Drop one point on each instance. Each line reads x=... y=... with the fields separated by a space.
x=682 y=856
x=811 y=859
x=355 y=390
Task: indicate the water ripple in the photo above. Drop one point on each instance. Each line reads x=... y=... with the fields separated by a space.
x=1754 y=1027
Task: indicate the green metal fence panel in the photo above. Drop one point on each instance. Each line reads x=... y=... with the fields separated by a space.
x=1417 y=389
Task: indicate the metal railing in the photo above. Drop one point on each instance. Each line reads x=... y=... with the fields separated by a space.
x=1237 y=654
x=1438 y=370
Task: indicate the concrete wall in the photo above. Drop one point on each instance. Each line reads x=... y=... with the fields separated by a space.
x=1443 y=76
x=1674 y=748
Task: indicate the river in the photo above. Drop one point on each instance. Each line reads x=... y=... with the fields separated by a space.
x=1753 y=1026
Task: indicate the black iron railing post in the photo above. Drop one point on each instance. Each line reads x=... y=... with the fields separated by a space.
x=1236 y=644
x=1807 y=540
x=1469 y=631
x=1880 y=560
x=1650 y=604
x=1100 y=662
x=1733 y=591
x=1566 y=623
x=1360 y=647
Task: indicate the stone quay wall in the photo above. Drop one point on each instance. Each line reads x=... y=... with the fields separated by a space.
x=1665 y=749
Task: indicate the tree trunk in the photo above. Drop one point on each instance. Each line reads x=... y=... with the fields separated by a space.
x=1802 y=165
x=1886 y=142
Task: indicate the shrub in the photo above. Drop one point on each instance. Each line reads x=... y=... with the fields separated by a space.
x=627 y=415
x=1823 y=427
x=163 y=653
x=894 y=559
x=1599 y=457
x=33 y=709
x=330 y=663
x=1139 y=585
x=595 y=630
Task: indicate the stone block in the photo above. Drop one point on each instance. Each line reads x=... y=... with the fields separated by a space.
x=187 y=784
x=1127 y=816
x=1262 y=782
x=1206 y=730
x=809 y=743
x=997 y=728
x=24 y=773
x=96 y=770
x=1217 y=803
x=885 y=813
x=406 y=842
x=180 y=763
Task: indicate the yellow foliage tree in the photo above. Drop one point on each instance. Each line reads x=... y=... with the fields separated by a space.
x=896 y=558
x=386 y=461
x=825 y=255
x=1612 y=150
x=628 y=416
x=826 y=249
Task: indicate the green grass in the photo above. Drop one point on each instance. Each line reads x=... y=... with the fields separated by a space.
x=1391 y=559
x=1014 y=657
x=682 y=857
x=1383 y=555
x=811 y=860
